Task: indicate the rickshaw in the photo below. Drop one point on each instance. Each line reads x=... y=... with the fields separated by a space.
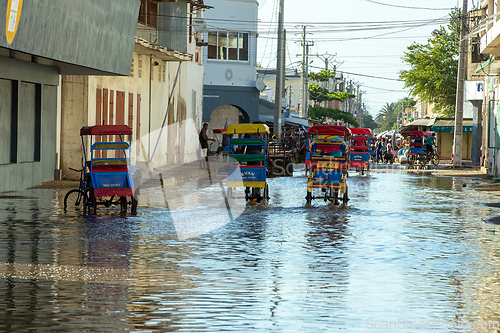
x=248 y=162
x=417 y=153
x=359 y=149
x=107 y=170
x=329 y=163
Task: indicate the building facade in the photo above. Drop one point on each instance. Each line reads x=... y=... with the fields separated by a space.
x=39 y=42
x=230 y=89
x=160 y=97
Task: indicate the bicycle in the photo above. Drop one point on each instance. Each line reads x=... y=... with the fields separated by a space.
x=81 y=198
x=432 y=157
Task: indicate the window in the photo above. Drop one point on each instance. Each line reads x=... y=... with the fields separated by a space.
x=224 y=45
x=148 y=13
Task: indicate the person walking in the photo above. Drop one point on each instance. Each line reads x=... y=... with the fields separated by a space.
x=204 y=146
x=378 y=150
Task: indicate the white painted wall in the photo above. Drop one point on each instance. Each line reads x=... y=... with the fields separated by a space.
x=232 y=15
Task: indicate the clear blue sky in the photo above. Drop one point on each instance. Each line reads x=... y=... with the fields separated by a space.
x=368 y=37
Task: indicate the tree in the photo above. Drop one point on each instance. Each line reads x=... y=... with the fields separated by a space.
x=433 y=67
x=368 y=121
x=387 y=116
x=322 y=114
x=319 y=94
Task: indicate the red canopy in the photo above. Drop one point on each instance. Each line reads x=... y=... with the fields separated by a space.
x=106 y=130
x=218 y=130
x=360 y=131
x=416 y=133
x=329 y=130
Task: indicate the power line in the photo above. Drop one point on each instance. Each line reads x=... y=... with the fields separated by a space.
x=407 y=7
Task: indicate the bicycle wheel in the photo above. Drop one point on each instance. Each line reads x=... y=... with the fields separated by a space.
x=435 y=159
x=74 y=201
x=411 y=160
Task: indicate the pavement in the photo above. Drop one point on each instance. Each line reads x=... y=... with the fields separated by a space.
x=170 y=174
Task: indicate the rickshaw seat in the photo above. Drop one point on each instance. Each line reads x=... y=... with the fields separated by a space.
x=110 y=168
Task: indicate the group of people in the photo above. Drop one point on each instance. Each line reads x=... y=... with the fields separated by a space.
x=385 y=151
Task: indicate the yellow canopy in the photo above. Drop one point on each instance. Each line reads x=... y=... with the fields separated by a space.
x=246 y=128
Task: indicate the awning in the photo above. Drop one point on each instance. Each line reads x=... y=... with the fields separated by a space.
x=448 y=126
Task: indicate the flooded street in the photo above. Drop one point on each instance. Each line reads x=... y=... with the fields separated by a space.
x=410 y=250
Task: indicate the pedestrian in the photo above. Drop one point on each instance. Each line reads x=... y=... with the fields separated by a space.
x=378 y=150
x=429 y=144
x=204 y=146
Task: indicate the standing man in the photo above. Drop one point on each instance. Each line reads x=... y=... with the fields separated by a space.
x=204 y=146
x=429 y=144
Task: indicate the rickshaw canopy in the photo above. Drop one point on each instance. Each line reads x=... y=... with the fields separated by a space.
x=106 y=130
x=329 y=130
x=416 y=133
x=246 y=128
x=360 y=131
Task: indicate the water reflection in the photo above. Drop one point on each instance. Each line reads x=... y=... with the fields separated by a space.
x=408 y=246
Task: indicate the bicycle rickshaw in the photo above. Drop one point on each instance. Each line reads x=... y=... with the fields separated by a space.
x=329 y=163
x=417 y=153
x=359 y=149
x=248 y=162
x=107 y=177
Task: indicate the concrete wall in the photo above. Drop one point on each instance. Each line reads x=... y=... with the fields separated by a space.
x=445 y=146
x=28 y=114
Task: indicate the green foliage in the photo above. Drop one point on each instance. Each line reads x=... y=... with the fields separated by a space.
x=319 y=94
x=322 y=114
x=387 y=117
x=433 y=67
x=368 y=121
x=322 y=76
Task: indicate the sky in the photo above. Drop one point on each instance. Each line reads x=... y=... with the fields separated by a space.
x=365 y=39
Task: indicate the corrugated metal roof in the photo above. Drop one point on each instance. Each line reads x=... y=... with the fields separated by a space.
x=422 y=122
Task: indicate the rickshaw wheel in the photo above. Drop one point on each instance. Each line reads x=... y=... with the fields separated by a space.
x=423 y=159
x=345 y=199
x=123 y=204
x=90 y=204
x=309 y=198
x=133 y=208
x=411 y=160
x=266 y=193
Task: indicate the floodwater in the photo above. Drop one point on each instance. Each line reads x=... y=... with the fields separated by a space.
x=411 y=251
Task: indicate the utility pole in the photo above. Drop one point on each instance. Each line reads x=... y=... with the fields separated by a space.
x=304 y=78
x=306 y=85
x=279 y=72
x=459 y=105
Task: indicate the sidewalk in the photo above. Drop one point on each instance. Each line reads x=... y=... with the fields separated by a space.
x=170 y=174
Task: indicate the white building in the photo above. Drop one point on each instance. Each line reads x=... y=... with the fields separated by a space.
x=230 y=89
